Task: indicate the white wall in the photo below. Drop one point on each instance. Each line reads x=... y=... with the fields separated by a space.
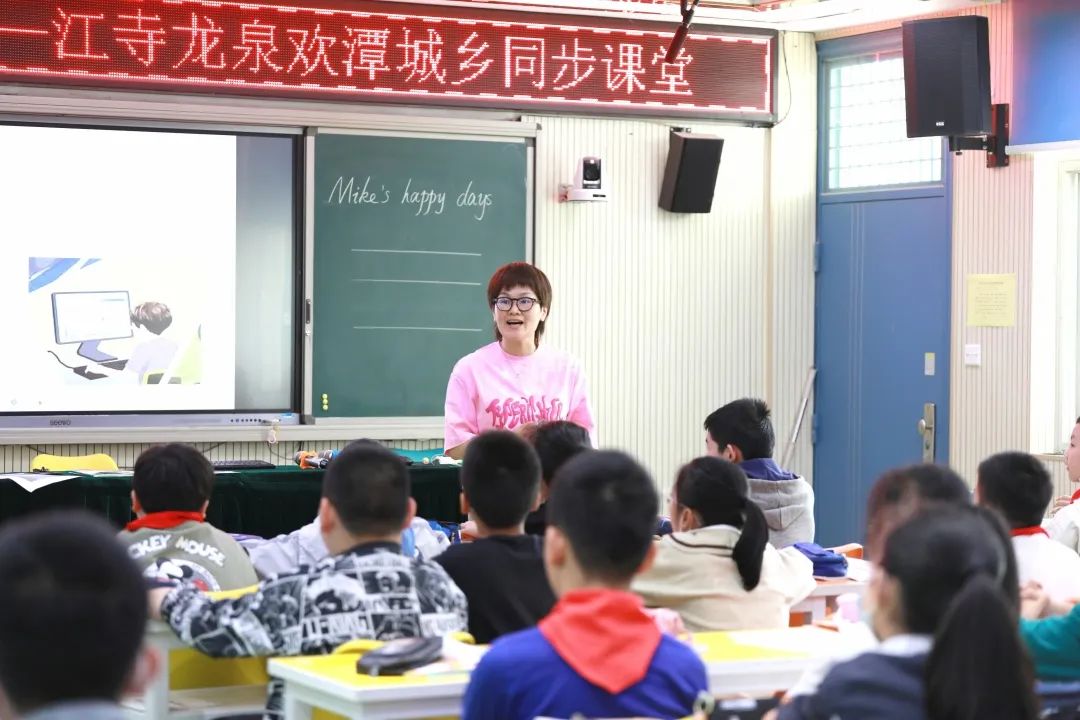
x=672 y=315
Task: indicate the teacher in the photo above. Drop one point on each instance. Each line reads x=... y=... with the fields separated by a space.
x=513 y=381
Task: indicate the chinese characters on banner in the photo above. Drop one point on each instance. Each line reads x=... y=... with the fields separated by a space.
x=288 y=49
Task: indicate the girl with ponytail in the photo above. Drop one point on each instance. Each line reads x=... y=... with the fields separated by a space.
x=944 y=603
x=717 y=569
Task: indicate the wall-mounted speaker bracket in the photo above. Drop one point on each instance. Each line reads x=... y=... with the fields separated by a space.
x=994 y=144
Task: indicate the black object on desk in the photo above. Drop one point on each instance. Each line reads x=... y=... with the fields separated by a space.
x=242 y=465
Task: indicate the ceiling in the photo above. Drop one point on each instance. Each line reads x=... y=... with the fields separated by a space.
x=786 y=15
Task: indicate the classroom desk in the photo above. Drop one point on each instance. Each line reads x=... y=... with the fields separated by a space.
x=239 y=688
x=816 y=604
x=750 y=662
x=255 y=502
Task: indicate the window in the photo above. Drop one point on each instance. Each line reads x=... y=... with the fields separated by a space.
x=867 y=143
x=1055 y=315
x=1067 y=399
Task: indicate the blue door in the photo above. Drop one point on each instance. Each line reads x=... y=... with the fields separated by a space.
x=883 y=284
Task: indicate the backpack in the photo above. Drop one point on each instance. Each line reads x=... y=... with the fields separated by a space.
x=826 y=562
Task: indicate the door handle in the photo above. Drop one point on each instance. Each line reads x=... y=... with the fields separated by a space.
x=926 y=426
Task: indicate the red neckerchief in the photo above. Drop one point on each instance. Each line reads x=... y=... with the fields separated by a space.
x=604 y=635
x=165 y=520
x=1076 y=496
x=1033 y=530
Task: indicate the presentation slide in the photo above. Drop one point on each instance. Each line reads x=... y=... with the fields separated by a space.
x=118 y=255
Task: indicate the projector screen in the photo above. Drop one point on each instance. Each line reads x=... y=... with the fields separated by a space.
x=146 y=271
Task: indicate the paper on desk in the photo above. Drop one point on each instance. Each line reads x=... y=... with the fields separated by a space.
x=458 y=657
x=34 y=481
x=109 y=473
x=858 y=569
x=805 y=640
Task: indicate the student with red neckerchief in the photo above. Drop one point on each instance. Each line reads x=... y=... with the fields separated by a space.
x=598 y=653
x=1018 y=486
x=1064 y=526
x=170 y=539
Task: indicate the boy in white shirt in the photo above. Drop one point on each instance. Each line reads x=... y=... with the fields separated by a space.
x=1064 y=526
x=1018 y=486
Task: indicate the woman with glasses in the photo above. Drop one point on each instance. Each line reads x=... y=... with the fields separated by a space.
x=514 y=381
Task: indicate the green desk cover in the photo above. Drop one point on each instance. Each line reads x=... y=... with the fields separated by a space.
x=255 y=502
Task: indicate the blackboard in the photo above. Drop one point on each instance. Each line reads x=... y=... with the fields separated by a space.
x=407 y=232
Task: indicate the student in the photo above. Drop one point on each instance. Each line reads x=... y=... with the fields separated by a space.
x=598 y=653
x=896 y=497
x=1064 y=526
x=170 y=538
x=555 y=442
x=502 y=571
x=1018 y=486
x=901 y=493
x=742 y=432
x=72 y=616
x=305 y=545
x=1051 y=632
x=946 y=613
x=717 y=568
x=366 y=589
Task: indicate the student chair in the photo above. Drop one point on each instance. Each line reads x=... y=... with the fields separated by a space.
x=61 y=463
x=851 y=550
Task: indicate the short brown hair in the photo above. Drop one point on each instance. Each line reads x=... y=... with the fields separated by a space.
x=904 y=492
x=526 y=275
x=154 y=316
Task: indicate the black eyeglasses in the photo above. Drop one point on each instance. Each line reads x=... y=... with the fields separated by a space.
x=524 y=304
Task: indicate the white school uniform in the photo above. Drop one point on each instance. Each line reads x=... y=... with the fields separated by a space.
x=1049 y=563
x=1065 y=526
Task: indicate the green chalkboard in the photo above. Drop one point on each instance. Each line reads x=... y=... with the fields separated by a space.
x=407 y=232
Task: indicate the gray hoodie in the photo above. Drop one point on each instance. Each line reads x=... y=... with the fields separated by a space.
x=789 y=509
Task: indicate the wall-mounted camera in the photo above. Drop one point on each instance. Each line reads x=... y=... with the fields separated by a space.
x=588 y=183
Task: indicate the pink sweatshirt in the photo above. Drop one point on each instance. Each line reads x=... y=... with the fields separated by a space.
x=491 y=389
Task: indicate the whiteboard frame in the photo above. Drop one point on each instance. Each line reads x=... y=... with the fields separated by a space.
x=426 y=427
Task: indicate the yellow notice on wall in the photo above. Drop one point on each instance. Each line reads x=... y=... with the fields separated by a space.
x=991 y=300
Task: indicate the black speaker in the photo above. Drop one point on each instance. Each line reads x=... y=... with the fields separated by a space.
x=690 y=173
x=947 y=76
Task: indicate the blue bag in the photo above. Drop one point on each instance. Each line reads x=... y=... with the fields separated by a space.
x=826 y=562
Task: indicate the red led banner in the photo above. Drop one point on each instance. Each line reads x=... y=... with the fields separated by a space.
x=335 y=52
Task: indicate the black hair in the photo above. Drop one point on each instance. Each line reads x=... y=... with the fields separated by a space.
x=719 y=493
x=957 y=577
x=72 y=610
x=744 y=423
x=1017 y=485
x=605 y=503
x=172 y=477
x=500 y=477
x=368 y=485
x=903 y=492
x=556 y=442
